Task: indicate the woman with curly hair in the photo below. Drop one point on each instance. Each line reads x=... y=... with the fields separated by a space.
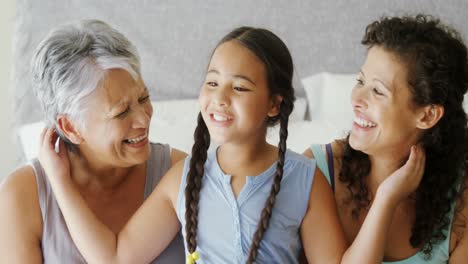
x=409 y=92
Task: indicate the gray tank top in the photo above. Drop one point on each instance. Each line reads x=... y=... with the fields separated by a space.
x=57 y=244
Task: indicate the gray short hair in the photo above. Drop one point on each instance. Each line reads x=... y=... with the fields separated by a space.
x=72 y=60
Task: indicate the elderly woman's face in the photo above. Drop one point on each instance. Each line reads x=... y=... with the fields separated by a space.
x=118 y=120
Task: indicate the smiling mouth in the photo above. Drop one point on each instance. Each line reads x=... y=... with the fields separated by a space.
x=364 y=123
x=136 y=140
x=220 y=117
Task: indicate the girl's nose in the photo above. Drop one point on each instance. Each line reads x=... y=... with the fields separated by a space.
x=221 y=97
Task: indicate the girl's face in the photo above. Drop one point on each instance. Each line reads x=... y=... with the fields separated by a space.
x=235 y=100
x=118 y=120
x=385 y=119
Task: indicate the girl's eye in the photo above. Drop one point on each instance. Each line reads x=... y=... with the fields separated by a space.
x=212 y=84
x=123 y=114
x=359 y=81
x=241 y=89
x=377 y=92
x=143 y=99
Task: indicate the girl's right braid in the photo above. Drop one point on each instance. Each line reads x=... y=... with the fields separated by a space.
x=194 y=182
x=285 y=109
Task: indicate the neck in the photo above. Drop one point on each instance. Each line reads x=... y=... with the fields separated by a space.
x=383 y=165
x=250 y=158
x=242 y=154
x=90 y=174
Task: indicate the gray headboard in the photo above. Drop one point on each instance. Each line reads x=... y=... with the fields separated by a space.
x=175 y=37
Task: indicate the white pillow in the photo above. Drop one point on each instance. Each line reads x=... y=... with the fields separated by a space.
x=175 y=111
x=300 y=108
x=29 y=138
x=329 y=98
x=178 y=135
x=302 y=134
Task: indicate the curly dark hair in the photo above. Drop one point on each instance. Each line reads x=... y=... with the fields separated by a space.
x=279 y=70
x=436 y=60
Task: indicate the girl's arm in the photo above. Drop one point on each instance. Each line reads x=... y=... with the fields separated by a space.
x=369 y=244
x=321 y=231
x=21 y=220
x=145 y=236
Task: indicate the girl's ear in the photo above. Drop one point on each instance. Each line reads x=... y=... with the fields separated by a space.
x=275 y=105
x=429 y=116
x=69 y=129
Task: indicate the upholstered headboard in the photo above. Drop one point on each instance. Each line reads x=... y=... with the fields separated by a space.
x=175 y=38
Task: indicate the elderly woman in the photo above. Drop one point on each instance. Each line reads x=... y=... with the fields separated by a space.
x=409 y=91
x=87 y=79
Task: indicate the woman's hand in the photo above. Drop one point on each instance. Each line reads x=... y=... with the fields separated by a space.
x=404 y=181
x=56 y=165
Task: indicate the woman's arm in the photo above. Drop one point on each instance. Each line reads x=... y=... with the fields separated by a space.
x=148 y=232
x=369 y=245
x=21 y=220
x=372 y=237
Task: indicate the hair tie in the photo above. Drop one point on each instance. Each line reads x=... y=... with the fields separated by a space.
x=191 y=258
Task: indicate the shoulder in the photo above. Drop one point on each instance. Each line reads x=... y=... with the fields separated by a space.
x=19 y=199
x=308 y=153
x=337 y=147
x=177 y=155
x=299 y=172
x=295 y=158
x=174 y=154
x=170 y=184
x=20 y=183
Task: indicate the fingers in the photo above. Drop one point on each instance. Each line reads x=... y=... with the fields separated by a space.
x=63 y=153
x=43 y=136
x=43 y=132
x=48 y=138
x=413 y=159
x=418 y=161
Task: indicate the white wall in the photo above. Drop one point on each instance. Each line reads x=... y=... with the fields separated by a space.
x=8 y=150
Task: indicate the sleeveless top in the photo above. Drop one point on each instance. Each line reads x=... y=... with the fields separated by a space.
x=440 y=251
x=226 y=224
x=57 y=245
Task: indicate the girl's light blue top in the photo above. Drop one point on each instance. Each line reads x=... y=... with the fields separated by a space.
x=440 y=251
x=226 y=225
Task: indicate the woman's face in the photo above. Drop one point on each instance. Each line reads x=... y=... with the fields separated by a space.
x=117 y=121
x=385 y=119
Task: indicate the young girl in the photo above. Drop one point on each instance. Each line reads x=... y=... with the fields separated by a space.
x=246 y=201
